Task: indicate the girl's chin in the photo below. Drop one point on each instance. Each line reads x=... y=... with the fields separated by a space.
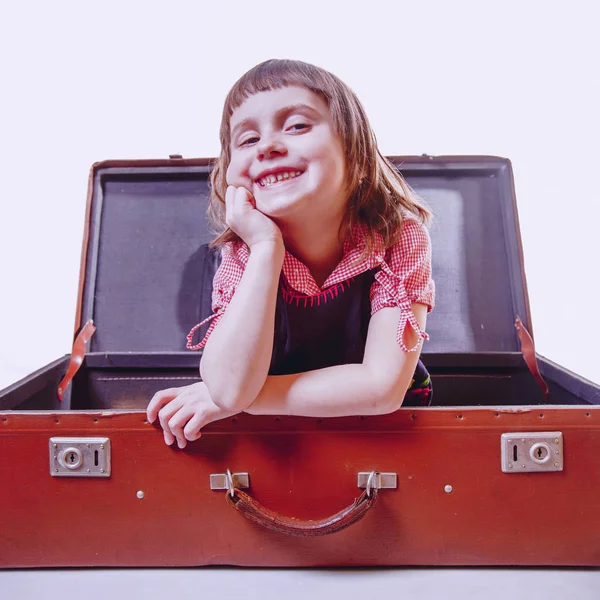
x=279 y=205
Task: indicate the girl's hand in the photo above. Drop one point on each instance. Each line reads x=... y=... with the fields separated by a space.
x=184 y=411
x=247 y=221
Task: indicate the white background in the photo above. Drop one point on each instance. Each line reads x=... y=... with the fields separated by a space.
x=82 y=82
x=87 y=81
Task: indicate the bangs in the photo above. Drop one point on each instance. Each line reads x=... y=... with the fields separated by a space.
x=275 y=74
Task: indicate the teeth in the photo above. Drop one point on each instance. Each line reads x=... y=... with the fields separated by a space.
x=271 y=179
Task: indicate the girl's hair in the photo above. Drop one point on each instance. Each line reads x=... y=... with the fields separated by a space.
x=378 y=193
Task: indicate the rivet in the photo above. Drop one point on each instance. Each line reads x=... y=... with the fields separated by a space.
x=510 y=465
x=101 y=470
x=448 y=489
x=140 y=495
x=510 y=441
x=101 y=447
x=556 y=464
x=556 y=441
x=56 y=445
x=88 y=470
x=88 y=446
x=524 y=466
x=56 y=470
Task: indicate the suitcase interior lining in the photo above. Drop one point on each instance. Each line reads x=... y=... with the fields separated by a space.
x=119 y=389
x=132 y=388
x=106 y=389
x=103 y=390
x=149 y=270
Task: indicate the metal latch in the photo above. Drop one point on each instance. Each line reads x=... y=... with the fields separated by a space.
x=379 y=481
x=527 y=452
x=219 y=481
x=80 y=457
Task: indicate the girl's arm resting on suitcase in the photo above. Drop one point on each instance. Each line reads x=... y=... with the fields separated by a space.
x=245 y=330
x=377 y=386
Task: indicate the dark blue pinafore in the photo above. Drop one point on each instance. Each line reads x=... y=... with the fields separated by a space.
x=331 y=329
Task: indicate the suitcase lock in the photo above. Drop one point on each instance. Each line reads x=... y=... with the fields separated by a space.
x=80 y=457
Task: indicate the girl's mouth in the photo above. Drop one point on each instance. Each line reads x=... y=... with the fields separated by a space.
x=277 y=178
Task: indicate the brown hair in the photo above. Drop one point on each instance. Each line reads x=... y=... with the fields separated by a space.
x=378 y=193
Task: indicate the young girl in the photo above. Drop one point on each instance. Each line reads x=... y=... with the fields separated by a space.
x=321 y=298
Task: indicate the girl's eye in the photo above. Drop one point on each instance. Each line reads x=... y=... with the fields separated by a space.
x=298 y=126
x=248 y=141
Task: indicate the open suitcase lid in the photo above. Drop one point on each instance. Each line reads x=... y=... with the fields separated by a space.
x=147 y=269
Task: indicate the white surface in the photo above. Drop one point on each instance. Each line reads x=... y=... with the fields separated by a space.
x=83 y=82
x=225 y=584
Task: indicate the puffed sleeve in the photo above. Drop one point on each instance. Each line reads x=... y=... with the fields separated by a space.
x=234 y=257
x=405 y=278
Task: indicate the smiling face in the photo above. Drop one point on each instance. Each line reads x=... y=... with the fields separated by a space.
x=286 y=152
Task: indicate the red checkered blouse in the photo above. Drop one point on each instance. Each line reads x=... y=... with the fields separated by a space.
x=403 y=277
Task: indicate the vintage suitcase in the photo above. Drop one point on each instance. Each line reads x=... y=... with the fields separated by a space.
x=499 y=471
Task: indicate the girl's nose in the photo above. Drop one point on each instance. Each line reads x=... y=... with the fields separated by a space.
x=270 y=147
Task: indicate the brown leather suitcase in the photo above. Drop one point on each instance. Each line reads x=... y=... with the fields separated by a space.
x=499 y=471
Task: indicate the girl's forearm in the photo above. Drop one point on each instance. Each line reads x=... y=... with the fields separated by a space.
x=331 y=392
x=245 y=330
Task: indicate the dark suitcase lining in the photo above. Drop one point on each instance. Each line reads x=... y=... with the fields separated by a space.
x=95 y=389
x=148 y=279
x=119 y=390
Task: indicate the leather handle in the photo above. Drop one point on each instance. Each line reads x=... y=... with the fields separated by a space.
x=257 y=513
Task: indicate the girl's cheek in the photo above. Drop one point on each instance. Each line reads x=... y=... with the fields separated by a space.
x=228 y=175
x=237 y=173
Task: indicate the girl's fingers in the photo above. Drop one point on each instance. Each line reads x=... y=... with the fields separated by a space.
x=237 y=202
x=229 y=197
x=192 y=429
x=177 y=423
x=164 y=416
x=159 y=400
x=243 y=196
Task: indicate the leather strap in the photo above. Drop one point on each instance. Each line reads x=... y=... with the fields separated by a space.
x=257 y=513
x=77 y=356
x=528 y=350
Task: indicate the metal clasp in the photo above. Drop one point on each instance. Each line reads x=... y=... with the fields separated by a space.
x=229 y=481
x=374 y=480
